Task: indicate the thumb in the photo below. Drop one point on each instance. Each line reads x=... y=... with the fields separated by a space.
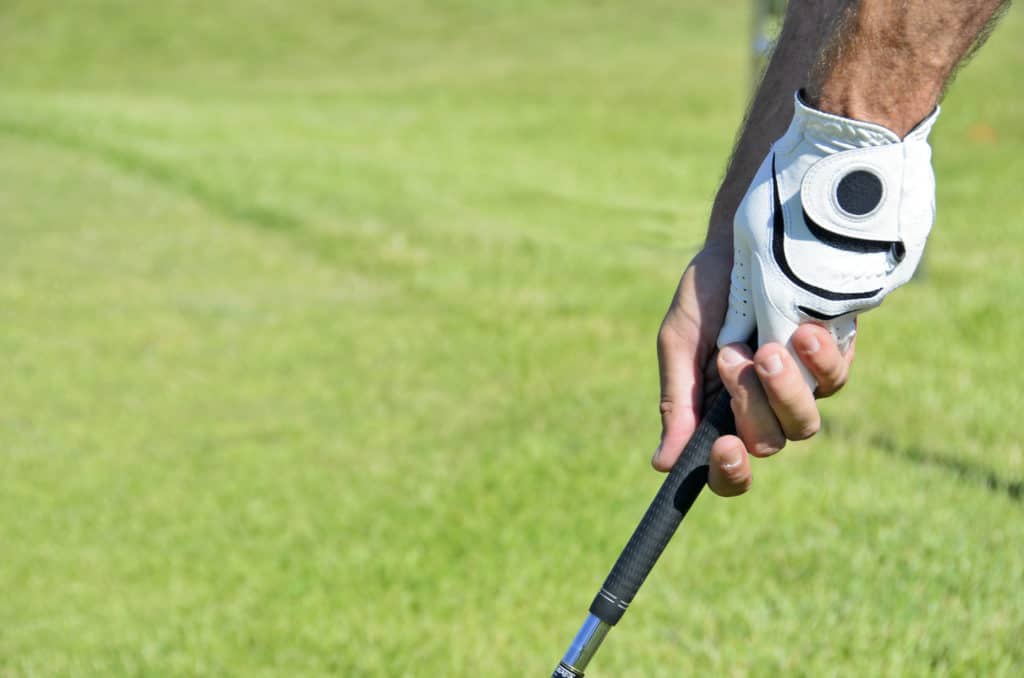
x=685 y=343
x=681 y=386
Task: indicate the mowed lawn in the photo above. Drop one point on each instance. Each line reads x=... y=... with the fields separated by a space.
x=328 y=344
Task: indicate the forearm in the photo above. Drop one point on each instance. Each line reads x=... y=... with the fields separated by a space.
x=888 y=62
x=879 y=61
x=807 y=25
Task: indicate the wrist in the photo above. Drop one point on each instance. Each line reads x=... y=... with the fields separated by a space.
x=850 y=97
x=884 y=67
x=846 y=129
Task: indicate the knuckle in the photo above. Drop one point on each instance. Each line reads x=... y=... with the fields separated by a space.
x=669 y=338
x=664 y=338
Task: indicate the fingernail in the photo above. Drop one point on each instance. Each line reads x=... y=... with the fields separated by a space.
x=811 y=344
x=733 y=458
x=772 y=364
x=731 y=356
x=657 y=453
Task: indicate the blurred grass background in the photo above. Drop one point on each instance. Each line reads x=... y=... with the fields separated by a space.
x=329 y=350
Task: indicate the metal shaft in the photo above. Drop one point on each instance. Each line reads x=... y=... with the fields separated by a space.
x=583 y=647
x=675 y=497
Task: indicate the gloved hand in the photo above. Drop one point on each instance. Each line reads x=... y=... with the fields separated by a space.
x=836 y=218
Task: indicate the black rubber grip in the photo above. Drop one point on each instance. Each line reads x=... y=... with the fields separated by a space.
x=680 y=489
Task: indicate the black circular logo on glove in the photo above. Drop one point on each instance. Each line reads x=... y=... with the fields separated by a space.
x=859 y=192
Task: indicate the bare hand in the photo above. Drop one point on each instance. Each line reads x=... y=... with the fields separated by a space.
x=770 y=399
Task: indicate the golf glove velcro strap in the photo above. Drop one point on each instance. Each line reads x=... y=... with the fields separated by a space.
x=836 y=218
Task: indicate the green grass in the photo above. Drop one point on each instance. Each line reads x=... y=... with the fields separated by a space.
x=328 y=335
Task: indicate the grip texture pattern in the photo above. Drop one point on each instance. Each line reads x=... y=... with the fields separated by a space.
x=680 y=489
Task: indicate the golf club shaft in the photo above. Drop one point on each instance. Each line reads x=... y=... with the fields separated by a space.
x=680 y=489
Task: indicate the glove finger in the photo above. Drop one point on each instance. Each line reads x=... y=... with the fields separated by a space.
x=843 y=330
x=818 y=351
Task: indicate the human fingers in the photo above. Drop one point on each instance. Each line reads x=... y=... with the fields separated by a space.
x=819 y=353
x=788 y=394
x=686 y=341
x=729 y=472
x=756 y=423
x=680 y=377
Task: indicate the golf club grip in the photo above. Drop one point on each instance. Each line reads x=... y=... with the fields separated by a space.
x=680 y=489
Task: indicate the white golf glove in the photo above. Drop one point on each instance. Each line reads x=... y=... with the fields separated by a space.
x=836 y=218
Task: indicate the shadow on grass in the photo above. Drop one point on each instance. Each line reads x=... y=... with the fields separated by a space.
x=963 y=470
x=235 y=207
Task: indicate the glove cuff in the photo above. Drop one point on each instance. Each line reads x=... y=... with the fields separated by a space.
x=837 y=133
